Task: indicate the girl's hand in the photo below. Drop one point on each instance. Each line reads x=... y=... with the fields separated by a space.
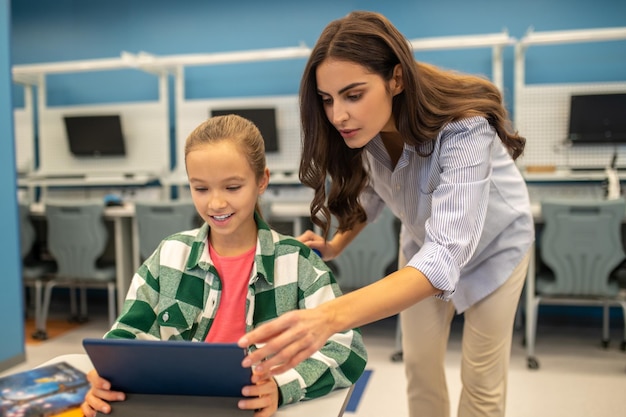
x=265 y=401
x=99 y=395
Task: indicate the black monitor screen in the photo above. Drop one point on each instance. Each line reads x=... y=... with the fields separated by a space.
x=263 y=118
x=95 y=135
x=597 y=119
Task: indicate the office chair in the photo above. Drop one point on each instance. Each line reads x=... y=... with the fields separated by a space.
x=371 y=256
x=367 y=258
x=581 y=244
x=77 y=237
x=156 y=220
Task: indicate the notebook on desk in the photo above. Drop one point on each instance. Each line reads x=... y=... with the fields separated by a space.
x=170 y=367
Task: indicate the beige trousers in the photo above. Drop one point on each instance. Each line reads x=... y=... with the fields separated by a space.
x=486 y=350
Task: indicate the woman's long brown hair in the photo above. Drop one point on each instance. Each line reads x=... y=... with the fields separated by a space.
x=431 y=98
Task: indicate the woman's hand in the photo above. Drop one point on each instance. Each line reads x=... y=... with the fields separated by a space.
x=99 y=395
x=314 y=241
x=289 y=339
x=265 y=402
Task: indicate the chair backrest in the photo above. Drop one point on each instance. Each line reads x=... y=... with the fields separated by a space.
x=27 y=231
x=582 y=244
x=366 y=258
x=157 y=220
x=77 y=237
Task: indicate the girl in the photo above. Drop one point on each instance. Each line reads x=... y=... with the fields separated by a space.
x=435 y=147
x=217 y=282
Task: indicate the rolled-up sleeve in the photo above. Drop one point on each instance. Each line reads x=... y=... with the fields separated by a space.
x=459 y=201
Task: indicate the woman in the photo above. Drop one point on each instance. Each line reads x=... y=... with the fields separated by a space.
x=436 y=148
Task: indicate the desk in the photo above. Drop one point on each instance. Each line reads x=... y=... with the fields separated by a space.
x=291 y=210
x=122 y=218
x=330 y=405
x=48 y=180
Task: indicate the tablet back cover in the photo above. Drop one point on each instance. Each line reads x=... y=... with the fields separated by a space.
x=170 y=367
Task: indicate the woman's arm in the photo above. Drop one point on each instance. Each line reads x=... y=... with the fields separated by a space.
x=296 y=335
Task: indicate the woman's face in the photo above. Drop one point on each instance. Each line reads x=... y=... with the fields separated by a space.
x=357 y=102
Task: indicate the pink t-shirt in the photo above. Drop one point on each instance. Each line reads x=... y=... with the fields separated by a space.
x=230 y=320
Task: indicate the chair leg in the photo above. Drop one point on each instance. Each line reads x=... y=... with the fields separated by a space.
x=605 y=324
x=623 y=344
x=112 y=302
x=531 y=331
x=83 y=317
x=398 y=356
x=40 y=331
x=39 y=320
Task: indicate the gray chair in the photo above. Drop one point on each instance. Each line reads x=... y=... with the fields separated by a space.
x=368 y=257
x=77 y=237
x=581 y=244
x=156 y=220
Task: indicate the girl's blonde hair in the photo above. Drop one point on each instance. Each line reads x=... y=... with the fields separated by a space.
x=241 y=131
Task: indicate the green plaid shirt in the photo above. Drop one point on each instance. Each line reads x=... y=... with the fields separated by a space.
x=175 y=295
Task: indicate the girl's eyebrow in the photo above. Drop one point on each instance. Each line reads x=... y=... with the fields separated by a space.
x=224 y=180
x=346 y=88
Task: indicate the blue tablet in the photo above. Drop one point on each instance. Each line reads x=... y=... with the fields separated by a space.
x=170 y=367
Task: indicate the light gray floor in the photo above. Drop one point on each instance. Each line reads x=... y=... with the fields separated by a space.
x=577 y=378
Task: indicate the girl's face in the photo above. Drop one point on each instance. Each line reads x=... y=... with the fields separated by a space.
x=225 y=190
x=357 y=102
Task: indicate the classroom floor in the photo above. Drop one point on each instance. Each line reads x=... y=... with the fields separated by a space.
x=577 y=377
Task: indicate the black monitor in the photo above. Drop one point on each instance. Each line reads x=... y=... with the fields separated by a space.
x=597 y=119
x=263 y=118
x=95 y=136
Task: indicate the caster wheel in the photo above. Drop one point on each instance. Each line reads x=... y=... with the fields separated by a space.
x=40 y=335
x=533 y=363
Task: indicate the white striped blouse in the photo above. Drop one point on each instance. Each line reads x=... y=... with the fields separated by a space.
x=465 y=211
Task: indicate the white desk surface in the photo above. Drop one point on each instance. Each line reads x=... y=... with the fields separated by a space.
x=535 y=209
x=563 y=174
x=330 y=405
x=78 y=180
x=125 y=210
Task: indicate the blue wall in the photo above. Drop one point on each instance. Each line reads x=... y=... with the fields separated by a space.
x=11 y=311
x=48 y=31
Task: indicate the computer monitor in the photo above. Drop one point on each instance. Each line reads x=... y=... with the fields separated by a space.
x=263 y=118
x=597 y=119
x=95 y=135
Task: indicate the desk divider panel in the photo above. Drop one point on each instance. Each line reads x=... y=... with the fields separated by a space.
x=193 y=112
x=145 y=127
x=24 y=139
x=543 y=116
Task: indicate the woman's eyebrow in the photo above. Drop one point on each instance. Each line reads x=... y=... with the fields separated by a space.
x=346 y=88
